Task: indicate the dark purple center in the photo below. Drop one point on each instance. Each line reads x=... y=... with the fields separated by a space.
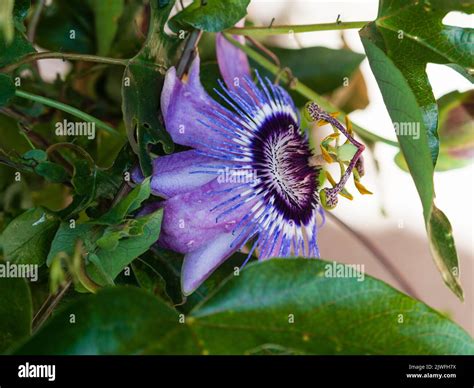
x=281 y=158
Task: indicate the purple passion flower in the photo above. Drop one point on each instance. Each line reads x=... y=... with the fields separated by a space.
x=247 y=178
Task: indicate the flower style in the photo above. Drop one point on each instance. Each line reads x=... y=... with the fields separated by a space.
x=248 y=176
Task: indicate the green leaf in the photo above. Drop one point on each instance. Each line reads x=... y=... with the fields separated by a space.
x=106 y=16
x=141 y=106
x=128 y=205
x=125 y=319
x=332 y=315
x=17 y=49
x=65 y=239
x=210 y=15
x=411 y=34
x=92 y=184
x=114 y=247
x=20 y=11
x=338 y=315
x=444 y=251
x=7 y=89
x=66 y=26
x=12 y=14
x=27 y=239
x=15 y=311
x=140 y=102
x=127 y=249
x=35 y=156
x=53 y=172
x=162 y=265
x=150 y=279
x=403 y=107
x=13 y=43
x=320 y=68
x=6 y=20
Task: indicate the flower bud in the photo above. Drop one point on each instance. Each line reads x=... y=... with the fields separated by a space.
x=455 y=132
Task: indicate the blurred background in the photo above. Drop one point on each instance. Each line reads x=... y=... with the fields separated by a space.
x=392 y=217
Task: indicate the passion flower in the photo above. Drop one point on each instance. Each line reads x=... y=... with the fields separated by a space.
x=249 y=177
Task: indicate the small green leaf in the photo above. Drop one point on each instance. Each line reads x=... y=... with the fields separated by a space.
x=127 y=249
x=35 y=156
x=128 y=205
x=7 y=89
x=106 y=16
x=210 y=15
x=15 y=311
x=27 y=239
x=115 y=247
x=53 y=172
x=444 y=250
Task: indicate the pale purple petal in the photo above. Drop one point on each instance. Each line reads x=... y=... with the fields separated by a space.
x=184 y=104
x=193 y=219
x=233 y=62
x=181 y=172
x=199 y=264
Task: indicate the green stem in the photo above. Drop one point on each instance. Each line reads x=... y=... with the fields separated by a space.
x=70 y=56
x=288 y=29
x=66 y=108
x=308 y=93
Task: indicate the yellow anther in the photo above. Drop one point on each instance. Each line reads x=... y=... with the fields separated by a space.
x=361 y=188
x=344 y=193
x=330 y=178
x=348 y=125
x=325 y=154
